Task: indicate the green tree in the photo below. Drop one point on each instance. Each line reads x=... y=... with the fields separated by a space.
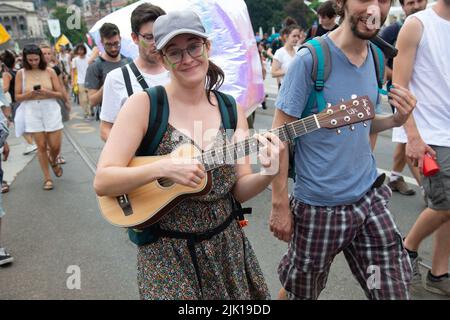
x=266 y=14
x=298 y=10
x=75 y=35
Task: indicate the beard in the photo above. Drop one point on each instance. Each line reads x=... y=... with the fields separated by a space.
x=150 y=57
x=447 y=3
x=354 y=20
x=112 y=54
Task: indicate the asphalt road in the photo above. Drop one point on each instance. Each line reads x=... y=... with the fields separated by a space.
x=59 y=235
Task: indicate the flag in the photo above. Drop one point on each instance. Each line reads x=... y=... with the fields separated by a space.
x=4 y=35
x=62 y=41
x=55 y=27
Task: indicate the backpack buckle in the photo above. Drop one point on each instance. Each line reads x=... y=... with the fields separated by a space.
x=319 y=84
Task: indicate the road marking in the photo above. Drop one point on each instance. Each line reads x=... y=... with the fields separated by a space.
x=75 y=115
x=83 y=154
x=82 y=128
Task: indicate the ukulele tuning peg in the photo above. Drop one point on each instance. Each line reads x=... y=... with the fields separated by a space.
x=338 y=131
x=352 y=128
x=328 y=105
x=354 y=96
x=364 y=124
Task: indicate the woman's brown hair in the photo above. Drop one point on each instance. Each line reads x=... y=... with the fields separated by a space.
x=33 y=49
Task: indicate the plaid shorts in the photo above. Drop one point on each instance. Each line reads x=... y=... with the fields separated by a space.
x=364 y=231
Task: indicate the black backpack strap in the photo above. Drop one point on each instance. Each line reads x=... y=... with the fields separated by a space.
x=228 y=110
x=138 y=75
x=126 y=78
x=157 y=122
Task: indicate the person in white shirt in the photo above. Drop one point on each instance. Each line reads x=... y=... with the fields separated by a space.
x=422 y=64
x=80 y=65
x=148 y=65
x=284 y=56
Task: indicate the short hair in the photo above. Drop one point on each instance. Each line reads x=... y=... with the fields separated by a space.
x=109 y=30
x=45 y=45
x=8 y=59
x=402 y=2
x=327 y=9
x=33 y=49
x=80 y=46
x=144 y=13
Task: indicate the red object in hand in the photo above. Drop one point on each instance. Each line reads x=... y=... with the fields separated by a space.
x=430 y=166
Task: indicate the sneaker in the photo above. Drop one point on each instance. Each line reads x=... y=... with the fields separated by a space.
x=416 y=278
x=5 y=257
x=441 y=286
x=401 y=187
x=29 y=148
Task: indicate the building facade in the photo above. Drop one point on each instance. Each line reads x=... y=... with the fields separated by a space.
x=22 y=22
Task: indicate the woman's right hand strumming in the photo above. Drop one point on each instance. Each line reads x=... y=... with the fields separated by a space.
x=189 y=173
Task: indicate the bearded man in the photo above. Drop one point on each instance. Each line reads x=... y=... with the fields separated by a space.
x=339 y=203
x=106 y=62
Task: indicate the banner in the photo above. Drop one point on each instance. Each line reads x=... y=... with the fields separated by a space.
x=55 y=27
x=4 y=35
x=62 y=41
x=233 y=43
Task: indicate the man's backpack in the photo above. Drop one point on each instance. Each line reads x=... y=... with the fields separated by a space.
x=320 y=72
x=158 y=120
x=137 y=74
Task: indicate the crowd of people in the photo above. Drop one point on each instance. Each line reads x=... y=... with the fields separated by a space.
x=339 y=202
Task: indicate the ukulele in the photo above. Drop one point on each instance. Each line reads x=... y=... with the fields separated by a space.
x=147 y=204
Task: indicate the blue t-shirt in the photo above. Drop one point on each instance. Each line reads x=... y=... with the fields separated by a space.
x=331 y=169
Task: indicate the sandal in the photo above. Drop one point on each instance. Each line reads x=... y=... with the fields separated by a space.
x=48 y=185
x=57 y=170
x=60 y=160
x=5 y=187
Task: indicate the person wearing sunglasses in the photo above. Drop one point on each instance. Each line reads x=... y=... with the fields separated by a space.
x=223 y=265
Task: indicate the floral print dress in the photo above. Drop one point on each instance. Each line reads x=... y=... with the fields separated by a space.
x=227 y=263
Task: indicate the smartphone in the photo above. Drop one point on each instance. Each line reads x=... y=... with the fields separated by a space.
x=37 y=87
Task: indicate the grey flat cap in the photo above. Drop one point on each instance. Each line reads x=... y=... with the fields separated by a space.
x=167 y=26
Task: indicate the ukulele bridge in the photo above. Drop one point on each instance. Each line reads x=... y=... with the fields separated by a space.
x=125 y=204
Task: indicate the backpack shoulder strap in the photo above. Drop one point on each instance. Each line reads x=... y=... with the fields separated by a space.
x=379 y=60
x=126 y=78
x=228 y=110
x=320 y=72
x=138 y=75
x=157 y=122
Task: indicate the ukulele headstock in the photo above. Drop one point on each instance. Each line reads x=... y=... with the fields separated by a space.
x=345 y=113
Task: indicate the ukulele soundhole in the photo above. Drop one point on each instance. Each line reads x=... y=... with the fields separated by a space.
x=166 y=183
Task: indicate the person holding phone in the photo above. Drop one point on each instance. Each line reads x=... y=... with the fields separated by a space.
x=37 y=88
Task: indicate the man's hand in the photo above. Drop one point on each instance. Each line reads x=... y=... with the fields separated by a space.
x=281 y=222
x=416 y=149
x=5 y=151
x=404 y=101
